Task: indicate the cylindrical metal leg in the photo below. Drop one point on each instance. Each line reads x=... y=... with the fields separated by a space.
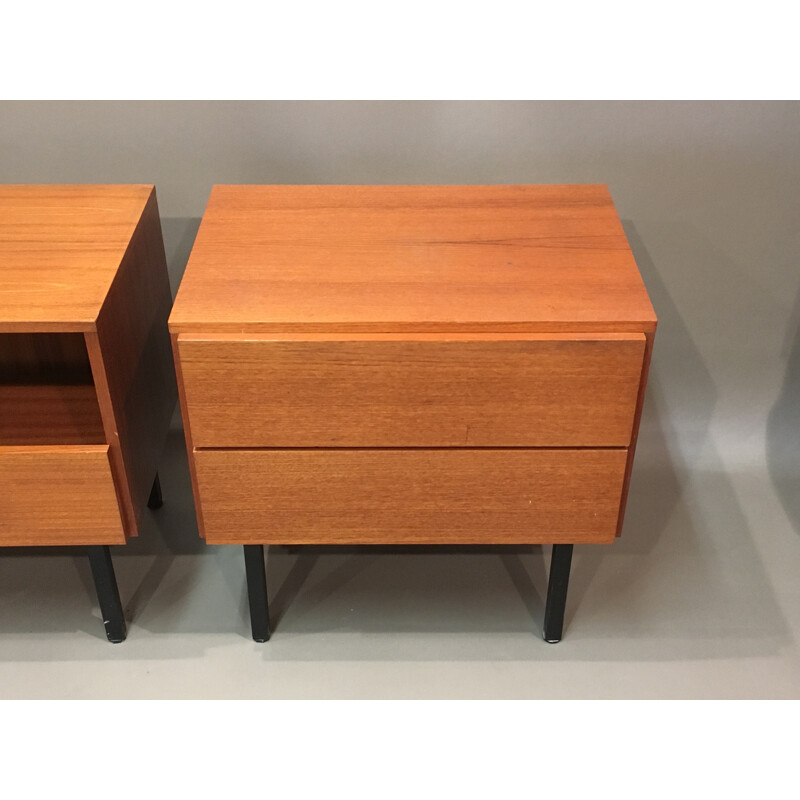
x=155 y=500
x=257 y=591
x=557 y=592
x=105 y=583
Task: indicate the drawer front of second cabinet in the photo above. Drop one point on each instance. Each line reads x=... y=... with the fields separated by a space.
x=412 y=496
x=396 y=390
x=59 y=495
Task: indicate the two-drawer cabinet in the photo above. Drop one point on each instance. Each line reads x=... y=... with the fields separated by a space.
x=411 y=365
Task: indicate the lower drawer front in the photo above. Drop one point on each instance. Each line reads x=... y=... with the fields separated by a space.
x=411 y=496
x=60 y=495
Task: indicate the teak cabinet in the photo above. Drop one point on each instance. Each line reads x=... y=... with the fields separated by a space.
x=411 y=364
x=87 y=382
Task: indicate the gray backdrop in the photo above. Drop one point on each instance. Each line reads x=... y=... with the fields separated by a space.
x=707 y=570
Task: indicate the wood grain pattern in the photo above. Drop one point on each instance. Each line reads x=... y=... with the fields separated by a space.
x=58 y=496
x=412 y=391
x=411 y=258
x=60 y=247
x=39 y=414
x=132 y=364
x=410 y=496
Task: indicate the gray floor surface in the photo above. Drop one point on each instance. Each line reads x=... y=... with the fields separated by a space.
x=698 y=599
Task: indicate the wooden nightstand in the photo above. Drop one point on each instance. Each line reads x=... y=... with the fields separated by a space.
x=87 y=383
x=411 y=365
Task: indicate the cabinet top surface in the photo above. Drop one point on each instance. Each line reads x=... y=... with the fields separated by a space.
x=411 y=258
x=60 y=247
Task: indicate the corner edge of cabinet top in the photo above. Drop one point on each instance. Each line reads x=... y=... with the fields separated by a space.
x=386 y=258
x=61 y=246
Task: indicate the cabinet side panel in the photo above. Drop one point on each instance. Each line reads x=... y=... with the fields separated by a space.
x=137 y=357
x=648 y=351
x=187 y=431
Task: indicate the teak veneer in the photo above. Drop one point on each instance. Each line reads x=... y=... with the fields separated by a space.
x=87 y=382
x=406 y=390
x=411 y=364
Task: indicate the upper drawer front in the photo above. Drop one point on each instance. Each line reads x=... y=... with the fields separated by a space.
x=401 y=391
x=58 y=496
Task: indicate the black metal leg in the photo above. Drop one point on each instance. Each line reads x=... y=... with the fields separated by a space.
x=155 y=500
x=107 y=593
x=557 y=592
x=257 y=591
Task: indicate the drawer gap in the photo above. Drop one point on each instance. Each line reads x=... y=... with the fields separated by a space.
x=421 y=447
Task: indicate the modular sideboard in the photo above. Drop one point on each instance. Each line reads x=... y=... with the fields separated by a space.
x=87 y=382
x=411 y=365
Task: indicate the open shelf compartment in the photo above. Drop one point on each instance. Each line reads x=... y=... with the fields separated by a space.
x=47 y=394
